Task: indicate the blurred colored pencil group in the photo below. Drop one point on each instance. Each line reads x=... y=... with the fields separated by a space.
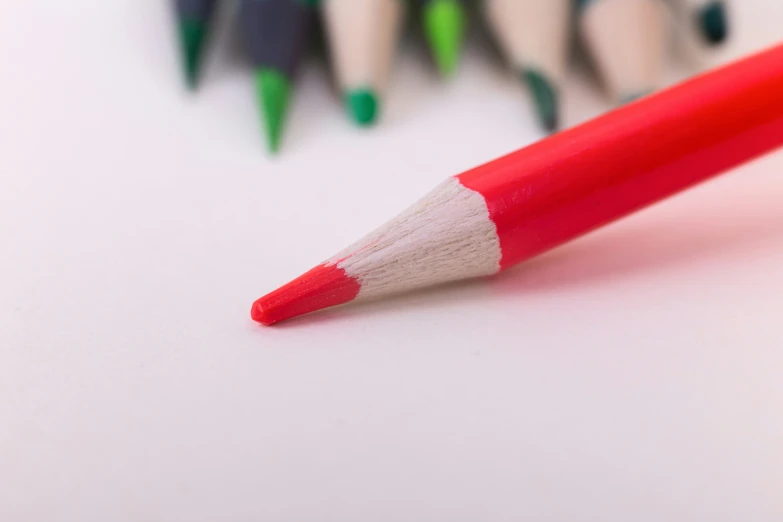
x=624 y=39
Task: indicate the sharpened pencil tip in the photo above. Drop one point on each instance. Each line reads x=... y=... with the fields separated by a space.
x=545 y=97
x=321 y=287
x=713 y=21
x=192 y=35
x=362 y=104
x=444 y=25
x=259 y=315
x=273 y=91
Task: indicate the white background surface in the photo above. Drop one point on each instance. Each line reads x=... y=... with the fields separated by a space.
x=634 y=375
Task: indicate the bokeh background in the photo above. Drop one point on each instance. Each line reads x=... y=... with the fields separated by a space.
x=631 y=375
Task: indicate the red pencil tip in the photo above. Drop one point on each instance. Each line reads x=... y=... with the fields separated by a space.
x=259 y=315
x=321 y=287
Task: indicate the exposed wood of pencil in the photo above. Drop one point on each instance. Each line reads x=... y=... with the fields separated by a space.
x=508 y=210
x=533 y=35
x=627 y=41
x=363 y=39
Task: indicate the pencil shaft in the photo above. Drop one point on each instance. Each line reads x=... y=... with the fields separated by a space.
x=195 y=9
x=276 y=32
x=585 y=177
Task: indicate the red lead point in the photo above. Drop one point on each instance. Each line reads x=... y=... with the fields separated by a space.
x=321 y=287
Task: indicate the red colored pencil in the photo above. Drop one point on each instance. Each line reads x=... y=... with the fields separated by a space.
x=506 y=211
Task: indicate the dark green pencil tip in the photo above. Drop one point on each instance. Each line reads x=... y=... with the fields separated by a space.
x=713 y=22
x=273 y=91
x=444 y=25
x=192 y=35
x=362 y=104
x=545 y=97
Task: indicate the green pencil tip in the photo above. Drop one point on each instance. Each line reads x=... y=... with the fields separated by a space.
x=362 y=105
x=192 y=35
x=714 y=22
x=273 y=91
x=545 y=97
x=444 y=24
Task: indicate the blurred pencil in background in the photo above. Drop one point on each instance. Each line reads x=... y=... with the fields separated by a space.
x=709 y=17
x=276 y=33
x=363 y=38
x=533 y=35
x=627 y=41
x=194 y=19
x=444 y=24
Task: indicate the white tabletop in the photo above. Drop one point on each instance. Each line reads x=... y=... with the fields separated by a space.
x=633 y=375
